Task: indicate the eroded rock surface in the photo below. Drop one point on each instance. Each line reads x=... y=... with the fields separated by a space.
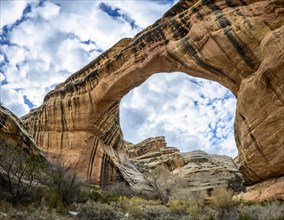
x=13 y=132
x=238 y=43
x=195 y=171
x=270 y=189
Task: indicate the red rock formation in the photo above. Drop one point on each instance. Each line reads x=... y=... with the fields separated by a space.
x=270 y=189
x=12 y=131
x=146 y=146
x=238 y=43
x=194 y=171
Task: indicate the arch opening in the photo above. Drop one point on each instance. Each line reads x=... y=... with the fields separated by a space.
x=192 y=113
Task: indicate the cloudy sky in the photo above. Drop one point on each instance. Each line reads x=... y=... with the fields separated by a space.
x=44 y=42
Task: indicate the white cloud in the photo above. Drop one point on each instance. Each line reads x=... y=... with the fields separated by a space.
x=191 y=116
x=13 y=100
x=73 y=8
x=15 y=54
x=2 y=77
x=97 y=25
x=11 y=11
x=11 y=73
x=56 y=38
x=47 y=12
x=143 y=13
x=1 y=58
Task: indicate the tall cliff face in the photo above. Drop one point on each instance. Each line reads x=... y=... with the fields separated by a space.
x=238 y=43
x=13 y=132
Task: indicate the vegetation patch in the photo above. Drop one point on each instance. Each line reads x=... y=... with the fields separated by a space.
x=31 y=188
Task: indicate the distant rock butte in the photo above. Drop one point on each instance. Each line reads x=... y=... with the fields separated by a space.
x=195 y=171
x=237 y=43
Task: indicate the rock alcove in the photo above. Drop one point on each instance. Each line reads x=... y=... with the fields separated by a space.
x=226 y=41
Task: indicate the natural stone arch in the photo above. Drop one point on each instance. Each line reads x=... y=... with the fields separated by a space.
x=226 y=41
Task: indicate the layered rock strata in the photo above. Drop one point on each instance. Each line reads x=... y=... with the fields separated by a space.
x=238 y=43
x=146 y=146
x=13 y=132
x=195 y=171
x=270 y=189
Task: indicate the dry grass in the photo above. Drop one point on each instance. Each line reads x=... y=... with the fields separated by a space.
x=222 y=198
x=104 y=205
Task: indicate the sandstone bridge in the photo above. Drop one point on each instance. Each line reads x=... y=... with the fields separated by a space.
x=238 y=43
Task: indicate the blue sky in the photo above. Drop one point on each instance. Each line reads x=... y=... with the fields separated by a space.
x=44 y=42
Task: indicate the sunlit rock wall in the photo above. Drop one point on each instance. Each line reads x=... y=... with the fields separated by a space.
x=238 y=43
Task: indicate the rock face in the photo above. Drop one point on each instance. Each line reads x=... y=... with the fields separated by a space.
x=197 y=170
x=238 y=43
x=270 y=189
x=153 y=152
x=13 y=132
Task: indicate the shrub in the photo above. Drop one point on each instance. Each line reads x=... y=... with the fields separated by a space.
x=29 y=212
x=209 y=217
x=245 y=216
x=237 y=184
x=135 y=211
x=135 y=206
x=54 y=199
x=94 y=195
x=163 y=186
x=191 y=204
x=63 y=185
x=151 y=212
x=190 y=208
x=4 y=206
x=268 y=210
x=140 y=201
x=97 y=195
x=99 y=211
x=19 y=174
x=193 y=210
x=120 y=189
x=178 y=207
x=222 y=198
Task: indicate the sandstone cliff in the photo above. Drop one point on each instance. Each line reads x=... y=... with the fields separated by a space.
x=238 y=43
x=270 y=189
x=13 y=132
x=195 y=171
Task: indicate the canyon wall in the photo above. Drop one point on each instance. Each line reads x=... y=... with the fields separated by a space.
x=238 y=43
x=13 y=132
